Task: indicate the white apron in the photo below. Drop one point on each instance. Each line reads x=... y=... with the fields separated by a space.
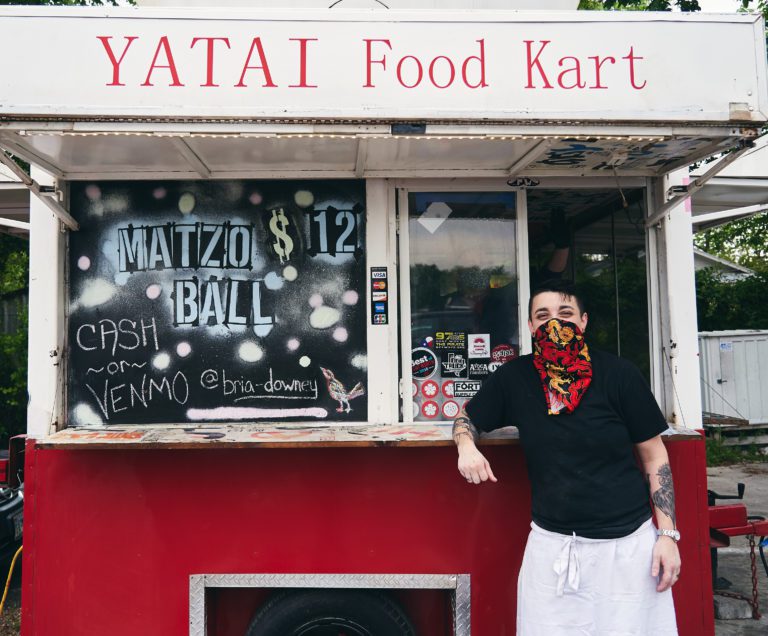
x=573 y=586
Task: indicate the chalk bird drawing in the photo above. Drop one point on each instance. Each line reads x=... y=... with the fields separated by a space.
x=337 y=391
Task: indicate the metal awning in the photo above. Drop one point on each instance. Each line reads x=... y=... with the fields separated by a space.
x=162 y=150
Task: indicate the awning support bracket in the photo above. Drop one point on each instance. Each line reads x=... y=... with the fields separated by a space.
x=681 y=193
x=45 y=194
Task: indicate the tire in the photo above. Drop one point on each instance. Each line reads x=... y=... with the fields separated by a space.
x=330 y=613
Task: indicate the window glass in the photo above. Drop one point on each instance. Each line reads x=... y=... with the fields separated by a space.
x=464 y=302
x=607 y=260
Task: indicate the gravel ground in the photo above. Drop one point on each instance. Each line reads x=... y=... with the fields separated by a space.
x=734 y=562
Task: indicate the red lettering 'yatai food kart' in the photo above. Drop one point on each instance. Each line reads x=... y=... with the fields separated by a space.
x=274 y=252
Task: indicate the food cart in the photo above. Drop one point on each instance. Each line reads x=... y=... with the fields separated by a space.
x=274 y=251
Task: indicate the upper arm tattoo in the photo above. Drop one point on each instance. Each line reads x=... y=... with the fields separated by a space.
x=462 y=426
x=664 y=496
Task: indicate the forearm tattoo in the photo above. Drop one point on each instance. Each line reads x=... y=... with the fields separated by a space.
x=462 y=426
x=664 y=496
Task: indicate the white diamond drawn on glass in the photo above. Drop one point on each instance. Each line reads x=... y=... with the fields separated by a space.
x=434 y=216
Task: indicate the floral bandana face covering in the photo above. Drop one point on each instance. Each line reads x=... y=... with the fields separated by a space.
x=561 y=357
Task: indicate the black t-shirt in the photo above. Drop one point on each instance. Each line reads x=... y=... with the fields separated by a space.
x=583 y=473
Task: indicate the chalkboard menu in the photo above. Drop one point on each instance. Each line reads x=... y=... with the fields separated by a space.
x=217 y=301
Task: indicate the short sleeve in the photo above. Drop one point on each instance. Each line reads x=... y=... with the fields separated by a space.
x=639 y=409
x=487 y=409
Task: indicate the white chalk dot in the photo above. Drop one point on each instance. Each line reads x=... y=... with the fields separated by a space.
x=96 y=292
x=324 y=317
x=350 y=297
x=304 y=198
x=255 y=198
x=159 y=193
x=293 y=344
x=97 y=209
x=93 y=192
x=340 y=334
x=249 y=351
x=86 y=416
x=161 y=361
x=315 y=300
x=116 y=203
x=153 y=291
x=290 y=273
x=83 y=262
x=304 y=361
x=183 y=349
x=186 y=203
x=360 y=361
x=273 y=281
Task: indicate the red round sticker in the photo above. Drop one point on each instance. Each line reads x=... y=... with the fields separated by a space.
x=430 y=409
x=430 y=388
x=450 y=409
x=503 y=353
x=448 y=389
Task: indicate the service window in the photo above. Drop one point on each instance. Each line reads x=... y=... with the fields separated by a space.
x=217 y=301
x=464 y=304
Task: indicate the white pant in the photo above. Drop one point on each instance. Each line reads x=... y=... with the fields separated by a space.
x=573 y=586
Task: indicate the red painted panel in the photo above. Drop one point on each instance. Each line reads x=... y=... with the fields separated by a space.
x=727 y=516
x=112 y=536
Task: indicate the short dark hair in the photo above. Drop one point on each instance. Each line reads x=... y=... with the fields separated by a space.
x=565 y=288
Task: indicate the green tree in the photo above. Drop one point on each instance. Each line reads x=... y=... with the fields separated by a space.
x=744 y=241
x=740 y=304
x=14 y=277
x=73 y=3
x=638 y=5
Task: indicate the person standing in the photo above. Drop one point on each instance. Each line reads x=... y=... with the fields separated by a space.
x=594 y=564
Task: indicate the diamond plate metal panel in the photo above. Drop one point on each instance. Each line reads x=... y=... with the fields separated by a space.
x=459 y=584
x=462 y=606
x=197 y=605
x=373 y=581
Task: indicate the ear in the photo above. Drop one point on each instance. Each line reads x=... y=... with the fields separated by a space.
x=585 y=318
x=530 y=327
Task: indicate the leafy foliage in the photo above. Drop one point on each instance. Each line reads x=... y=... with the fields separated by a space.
x=72 y=3
x=722 y=305
x=639 y=5
x=744 y=241
x=14 y=276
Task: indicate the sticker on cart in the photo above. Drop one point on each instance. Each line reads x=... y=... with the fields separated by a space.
x=423 y=363
x=430 y=409
x=479 y=345
x=479 y=370
x=416 y=410
x=429 y=388
x=503 y=353
x=451 y=340
x=450 y=409
x=414 y=389
x=448 y=389
x=466 y=388
x=379 y=297
x=454 y=365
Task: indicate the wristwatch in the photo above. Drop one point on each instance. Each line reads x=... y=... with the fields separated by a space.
x=672 y=534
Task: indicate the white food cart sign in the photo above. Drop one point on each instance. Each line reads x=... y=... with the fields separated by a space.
x=362 y=65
